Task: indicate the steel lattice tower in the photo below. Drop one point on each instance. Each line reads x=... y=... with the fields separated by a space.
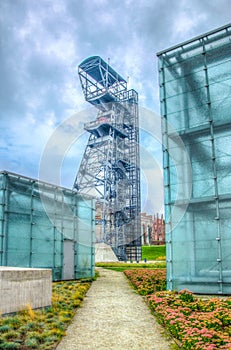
x=111 y=161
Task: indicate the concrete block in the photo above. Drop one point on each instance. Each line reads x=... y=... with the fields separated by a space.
x=104 y=253
x=22 y=286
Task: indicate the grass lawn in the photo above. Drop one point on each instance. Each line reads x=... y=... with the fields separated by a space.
x=154 y=252
x=122 y=266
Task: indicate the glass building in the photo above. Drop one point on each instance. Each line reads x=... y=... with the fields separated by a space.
x=195 y=96
x=46 y=226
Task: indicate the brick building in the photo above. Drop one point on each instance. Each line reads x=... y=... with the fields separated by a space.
x=158 y=230
x=152 y=229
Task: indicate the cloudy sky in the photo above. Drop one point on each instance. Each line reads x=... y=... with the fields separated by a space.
x=41 y=44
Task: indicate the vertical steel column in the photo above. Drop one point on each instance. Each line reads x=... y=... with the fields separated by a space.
x=6 y=221
x=55 y=238
x=92 y=237
x=167 y=192
x=31 y=223
x=63 y=238
x=2 y=205
x=216 y=195
x=4 y=233
x=76 y=236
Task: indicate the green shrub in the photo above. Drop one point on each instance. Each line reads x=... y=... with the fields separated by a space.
x=41 y=329
x=9 y=345
x=5 y=328
x=31 y=343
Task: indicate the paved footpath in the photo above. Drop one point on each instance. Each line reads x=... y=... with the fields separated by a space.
x=114 y=316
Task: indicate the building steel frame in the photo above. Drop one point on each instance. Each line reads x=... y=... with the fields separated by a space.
x=111 y=162
x=195 y=86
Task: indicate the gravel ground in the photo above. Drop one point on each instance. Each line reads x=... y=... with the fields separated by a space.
x=114 y=316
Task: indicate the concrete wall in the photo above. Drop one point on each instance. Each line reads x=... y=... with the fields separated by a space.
x=22 y=286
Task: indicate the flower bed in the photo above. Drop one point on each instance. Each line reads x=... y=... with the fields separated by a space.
x=197 y=323
x=147 y=281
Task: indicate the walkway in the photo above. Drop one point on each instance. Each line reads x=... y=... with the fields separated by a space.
x=114 y=316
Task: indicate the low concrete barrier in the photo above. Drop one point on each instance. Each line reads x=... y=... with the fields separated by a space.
x=20 y=287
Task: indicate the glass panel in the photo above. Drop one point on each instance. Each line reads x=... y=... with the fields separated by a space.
x=220 y=72
x=36 y=227
x=198 y=252
x=221 y=109
x=225 y=209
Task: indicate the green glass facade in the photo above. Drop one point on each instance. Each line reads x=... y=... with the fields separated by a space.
x=45 y=226
x=195 y=95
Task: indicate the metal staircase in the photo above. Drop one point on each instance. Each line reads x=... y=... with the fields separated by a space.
x=110 y=167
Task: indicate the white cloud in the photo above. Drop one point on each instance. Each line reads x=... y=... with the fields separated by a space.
x=186 y=21
x=42 y=42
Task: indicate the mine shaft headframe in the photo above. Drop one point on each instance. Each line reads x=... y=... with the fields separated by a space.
x=101 y=84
